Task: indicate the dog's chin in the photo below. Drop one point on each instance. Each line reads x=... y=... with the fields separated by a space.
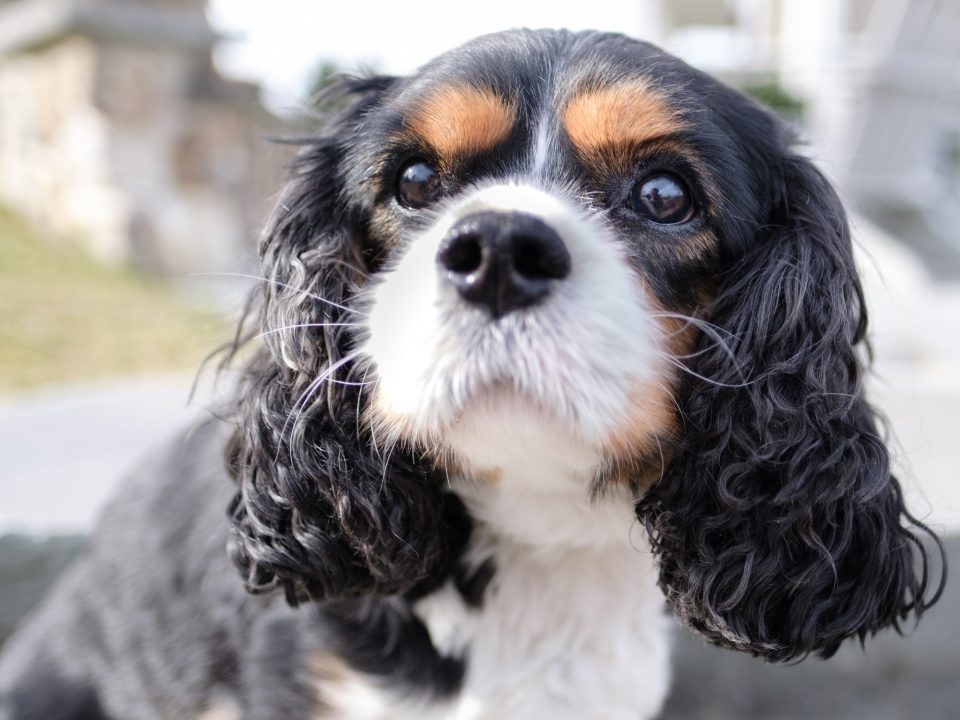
x=501 y=432
x=504 y=433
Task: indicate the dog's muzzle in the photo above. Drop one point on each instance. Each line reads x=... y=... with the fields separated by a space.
x=503 y=261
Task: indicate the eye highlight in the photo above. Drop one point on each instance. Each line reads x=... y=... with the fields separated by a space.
x=663 y=198
x=418 y=184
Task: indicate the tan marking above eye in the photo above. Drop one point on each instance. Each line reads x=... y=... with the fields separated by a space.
x=460 y=120
x=607 y=124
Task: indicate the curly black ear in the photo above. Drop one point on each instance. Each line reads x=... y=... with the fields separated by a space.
x=779 y=528
x=318 y=511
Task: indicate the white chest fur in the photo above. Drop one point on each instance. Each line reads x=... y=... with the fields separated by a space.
x=564 y=631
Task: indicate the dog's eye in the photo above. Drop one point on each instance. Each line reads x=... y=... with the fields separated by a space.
x=663 y=198
x=418 y=184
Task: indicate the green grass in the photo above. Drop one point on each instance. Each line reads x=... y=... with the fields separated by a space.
x=64 y=317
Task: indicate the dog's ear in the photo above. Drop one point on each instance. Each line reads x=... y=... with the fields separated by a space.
x=779 y=528
x=318 y=510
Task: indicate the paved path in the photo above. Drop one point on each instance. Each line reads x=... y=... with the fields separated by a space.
x=65 y=448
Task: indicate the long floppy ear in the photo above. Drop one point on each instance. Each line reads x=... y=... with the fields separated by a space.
x=779 y=528
x=318 y=511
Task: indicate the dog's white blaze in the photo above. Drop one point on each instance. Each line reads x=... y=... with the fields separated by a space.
x=543 y=146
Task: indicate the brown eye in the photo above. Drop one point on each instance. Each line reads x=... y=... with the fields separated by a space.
x=418 y=184
x=662 y=197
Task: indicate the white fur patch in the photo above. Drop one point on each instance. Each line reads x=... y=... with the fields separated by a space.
x=566 y=633
x=449 y=378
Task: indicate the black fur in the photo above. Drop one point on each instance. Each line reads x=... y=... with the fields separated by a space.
x=46 y=695
x=318 y=510
x=779 y=527
x=384 y=640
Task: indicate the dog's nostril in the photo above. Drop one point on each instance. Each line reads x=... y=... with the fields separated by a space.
x=537 y=259
x=503 y=261
x=464 y=255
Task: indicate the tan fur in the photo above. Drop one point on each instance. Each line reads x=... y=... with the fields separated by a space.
x=652 y=417
x=458 y=121
x=608 y=125
x=327 y=670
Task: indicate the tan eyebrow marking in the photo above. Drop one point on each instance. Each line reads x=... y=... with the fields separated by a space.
x=460 y=120
x=607 y=124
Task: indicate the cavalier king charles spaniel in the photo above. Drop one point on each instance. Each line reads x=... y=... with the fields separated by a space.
x=547 y=333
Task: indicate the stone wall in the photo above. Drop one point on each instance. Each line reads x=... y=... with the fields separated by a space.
x=137 y=149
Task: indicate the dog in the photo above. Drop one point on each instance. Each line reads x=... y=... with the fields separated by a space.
x=552 y=330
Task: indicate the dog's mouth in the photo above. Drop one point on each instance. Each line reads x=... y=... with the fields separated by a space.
x=503 y=429
x=452 y=394
x=489 y=416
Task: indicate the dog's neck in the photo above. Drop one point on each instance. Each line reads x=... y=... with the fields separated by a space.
x=572 y=597
x=529 y=480
x=568 y=622
x=569 y=626
x=554 y=518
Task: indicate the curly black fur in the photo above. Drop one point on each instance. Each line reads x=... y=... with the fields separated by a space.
x=318 y=510
x=778 y=528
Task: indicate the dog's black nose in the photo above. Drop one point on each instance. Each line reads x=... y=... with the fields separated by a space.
x=503 y=261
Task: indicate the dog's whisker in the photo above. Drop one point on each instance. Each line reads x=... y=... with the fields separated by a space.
x=663 y=461
x=710 y=330
x=304 y=325
x=695 y=321
x=261 y=278
x=710 y=381
x=363 y=383
x=308 y=394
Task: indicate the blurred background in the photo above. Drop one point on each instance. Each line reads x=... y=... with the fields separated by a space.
x=135 y=172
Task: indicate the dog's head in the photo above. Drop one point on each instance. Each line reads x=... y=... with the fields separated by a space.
x=571 y=261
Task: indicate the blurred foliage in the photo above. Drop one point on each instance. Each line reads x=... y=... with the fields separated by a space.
x=65 y=317
x=323 y=75
x=773 y=94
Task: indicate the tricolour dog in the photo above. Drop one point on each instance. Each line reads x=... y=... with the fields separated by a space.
x=555 y=329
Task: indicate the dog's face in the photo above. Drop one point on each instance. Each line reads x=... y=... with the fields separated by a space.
x=536 y=230
x=545 y=214
x=570 y=252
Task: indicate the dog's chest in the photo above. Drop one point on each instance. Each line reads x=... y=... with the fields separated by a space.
x=573 y=634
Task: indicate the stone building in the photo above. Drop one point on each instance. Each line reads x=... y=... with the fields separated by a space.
x=117 y=131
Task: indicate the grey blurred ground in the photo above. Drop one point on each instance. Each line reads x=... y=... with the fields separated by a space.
x=63 y=449
x=911 y=677
x=916 y=676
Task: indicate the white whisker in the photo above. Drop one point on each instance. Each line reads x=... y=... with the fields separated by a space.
x=279 y=284
x=307 y=395
x=712 y=331
x=363 y=384
x=304 y=325
x=673 y=361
